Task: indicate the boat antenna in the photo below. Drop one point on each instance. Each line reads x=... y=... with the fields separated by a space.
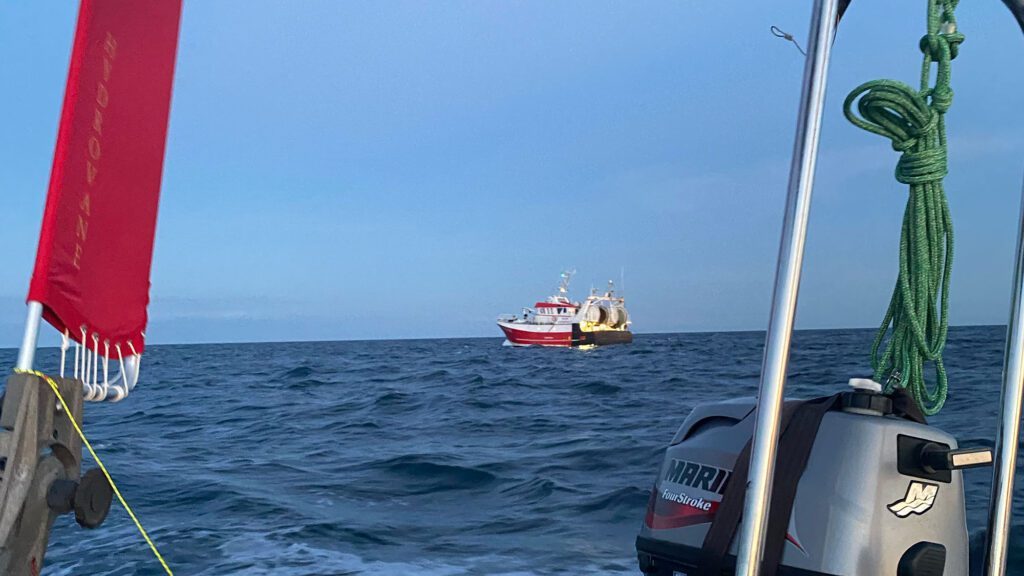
x=779 y=33
x=563 y=286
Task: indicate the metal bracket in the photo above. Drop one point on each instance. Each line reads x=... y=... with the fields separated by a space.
x=38 y=448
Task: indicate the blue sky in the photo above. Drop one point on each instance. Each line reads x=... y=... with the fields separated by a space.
x=413 y=169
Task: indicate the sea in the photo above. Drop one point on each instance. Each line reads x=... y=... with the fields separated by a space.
x=440 y=457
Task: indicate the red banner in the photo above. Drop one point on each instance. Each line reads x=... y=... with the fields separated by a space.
x=96 y=245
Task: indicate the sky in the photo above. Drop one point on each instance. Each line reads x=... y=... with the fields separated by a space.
x=399 y=169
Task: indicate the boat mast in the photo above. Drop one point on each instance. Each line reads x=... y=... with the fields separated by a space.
x=787 y=284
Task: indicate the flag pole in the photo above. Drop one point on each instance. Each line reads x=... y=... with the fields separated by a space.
x=27 y=353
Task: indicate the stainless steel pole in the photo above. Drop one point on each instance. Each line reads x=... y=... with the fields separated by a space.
x=27 y=353
x=787 y=284
x=1000 y=513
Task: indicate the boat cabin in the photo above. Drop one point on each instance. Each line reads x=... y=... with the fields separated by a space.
x=554 y=312
x=555 y=309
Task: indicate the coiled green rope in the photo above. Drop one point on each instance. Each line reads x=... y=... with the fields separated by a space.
x=916 y=321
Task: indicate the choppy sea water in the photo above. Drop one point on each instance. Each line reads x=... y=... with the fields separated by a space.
x=438 y=457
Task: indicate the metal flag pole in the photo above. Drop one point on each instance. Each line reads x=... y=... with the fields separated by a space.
x=27 y=353
x=1001 y=505
x=787 y=284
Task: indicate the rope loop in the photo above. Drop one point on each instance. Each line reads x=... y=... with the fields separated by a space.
x=893 y=110
x=780 y=33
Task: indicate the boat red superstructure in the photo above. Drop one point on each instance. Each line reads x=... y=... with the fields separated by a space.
x=558 y=321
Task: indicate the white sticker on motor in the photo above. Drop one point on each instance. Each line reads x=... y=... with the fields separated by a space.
x=919 y=499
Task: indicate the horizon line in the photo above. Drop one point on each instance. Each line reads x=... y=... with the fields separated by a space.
x=414 y=339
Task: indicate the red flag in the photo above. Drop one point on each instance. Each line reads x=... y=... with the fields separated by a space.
x=96 y=245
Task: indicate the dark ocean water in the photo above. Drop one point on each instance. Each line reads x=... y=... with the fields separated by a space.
x=437 y=457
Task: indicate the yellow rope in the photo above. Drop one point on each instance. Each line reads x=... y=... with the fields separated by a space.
x=67 y=410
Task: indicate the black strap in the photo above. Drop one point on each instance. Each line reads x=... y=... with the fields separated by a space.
x=730 y=512
x=727 y=519
x=800 y=423
x=904 y=406
x=794 y=451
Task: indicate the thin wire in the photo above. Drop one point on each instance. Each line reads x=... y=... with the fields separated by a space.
x=779 y=33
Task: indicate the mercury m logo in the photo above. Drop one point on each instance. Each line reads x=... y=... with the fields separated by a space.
x=919 y=499
x=699 y=476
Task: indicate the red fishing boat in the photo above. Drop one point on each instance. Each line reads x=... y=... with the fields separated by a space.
x=601 y=319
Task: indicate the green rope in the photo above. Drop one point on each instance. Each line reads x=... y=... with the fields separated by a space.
x=916 y=321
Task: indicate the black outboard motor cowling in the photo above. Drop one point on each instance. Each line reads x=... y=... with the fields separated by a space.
x=880 y=494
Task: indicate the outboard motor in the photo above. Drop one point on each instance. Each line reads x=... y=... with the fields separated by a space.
x=857 y=484
x=871 y=489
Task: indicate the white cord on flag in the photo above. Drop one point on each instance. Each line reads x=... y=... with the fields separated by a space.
x=87 y=367
x=84 y=375
x=63 y=351
x=120 y=392
x=86 y=389
x=89 y=383
x=96 y=367
x=80 y=370
x=106 y=363
x=138 y=366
